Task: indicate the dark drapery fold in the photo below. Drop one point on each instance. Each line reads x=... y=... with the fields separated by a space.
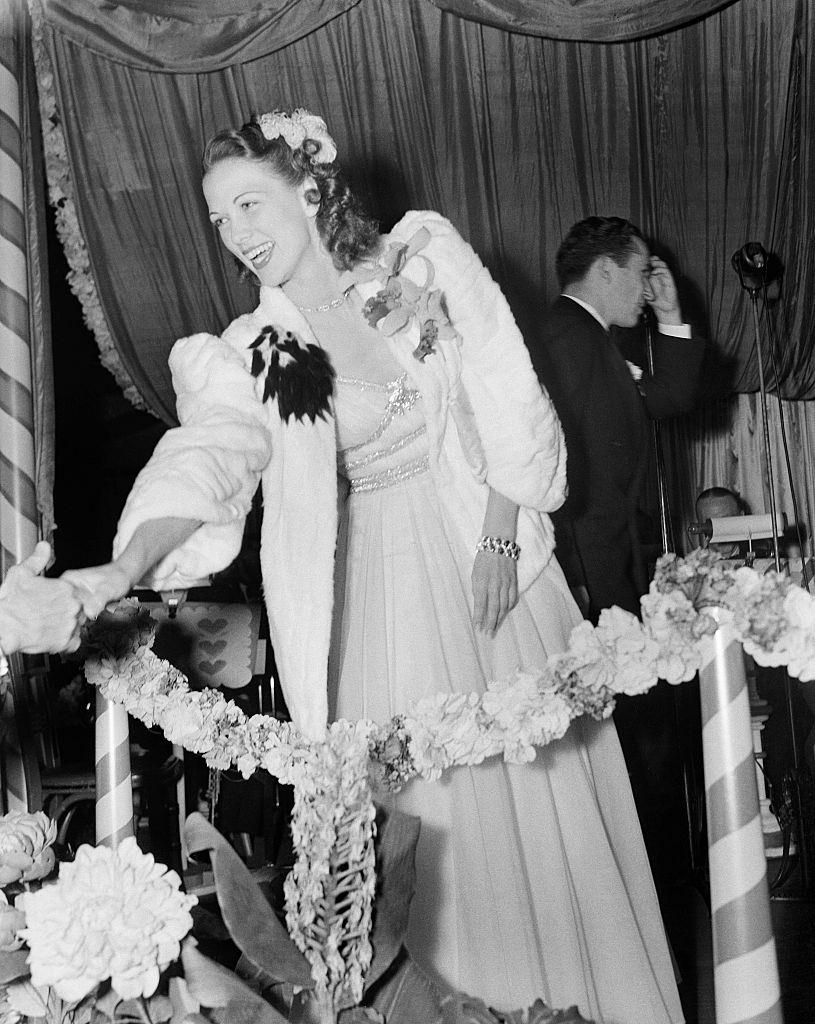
x=599 y=21
x=511 y=136
x=39 y=308
x=188 y=35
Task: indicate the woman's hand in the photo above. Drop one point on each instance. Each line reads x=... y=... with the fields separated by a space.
x=98 y=586
x=495 y=590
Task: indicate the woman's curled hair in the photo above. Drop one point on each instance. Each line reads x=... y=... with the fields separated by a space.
x=347 y=231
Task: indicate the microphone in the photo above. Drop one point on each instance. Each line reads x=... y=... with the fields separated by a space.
x=754 y=255
x=750 y=263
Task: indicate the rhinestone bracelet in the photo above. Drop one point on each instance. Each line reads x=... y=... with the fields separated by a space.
x=499 y=547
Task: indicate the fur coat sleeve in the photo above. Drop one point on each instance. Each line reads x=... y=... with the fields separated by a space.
x=208 y=468
x=524 y=454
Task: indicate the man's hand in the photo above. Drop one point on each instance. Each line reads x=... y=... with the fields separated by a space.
x=495 y=590
x=38 y=615
x=661 y=294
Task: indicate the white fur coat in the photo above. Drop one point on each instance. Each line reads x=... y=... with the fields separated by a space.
x=489 y=425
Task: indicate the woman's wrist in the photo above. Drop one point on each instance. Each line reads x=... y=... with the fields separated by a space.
x=130 y=570
x=499 y=546
x=500 y=518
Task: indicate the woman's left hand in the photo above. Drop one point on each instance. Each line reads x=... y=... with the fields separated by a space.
x=495 y=590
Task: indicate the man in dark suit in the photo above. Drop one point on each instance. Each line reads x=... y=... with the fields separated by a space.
x=604 y=396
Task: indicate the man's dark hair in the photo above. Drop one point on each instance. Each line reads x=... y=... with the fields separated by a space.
x=590 y=239
x=719 y=492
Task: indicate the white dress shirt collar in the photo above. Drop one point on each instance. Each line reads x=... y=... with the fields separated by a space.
x=588 y=309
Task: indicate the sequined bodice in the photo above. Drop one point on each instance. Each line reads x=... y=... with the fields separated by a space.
x=382 y=437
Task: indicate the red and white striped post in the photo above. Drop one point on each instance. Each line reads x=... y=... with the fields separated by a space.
x=19 y=517
x=114 y=787
x=745 y=969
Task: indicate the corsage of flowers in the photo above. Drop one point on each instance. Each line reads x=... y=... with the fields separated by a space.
x=295 y=128
x=401 y=302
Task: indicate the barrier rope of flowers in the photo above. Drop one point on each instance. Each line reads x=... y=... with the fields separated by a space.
x=772 y=617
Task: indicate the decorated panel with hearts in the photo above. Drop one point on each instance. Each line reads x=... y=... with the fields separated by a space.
x=215 y=644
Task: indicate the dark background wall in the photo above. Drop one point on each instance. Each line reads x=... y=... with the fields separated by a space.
x=101 y=440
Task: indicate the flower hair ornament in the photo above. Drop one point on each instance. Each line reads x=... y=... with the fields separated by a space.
x=295 y=128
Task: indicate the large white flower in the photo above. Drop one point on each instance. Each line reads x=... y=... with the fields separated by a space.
x=112 y=914
x=11 y=921
x=25 y=846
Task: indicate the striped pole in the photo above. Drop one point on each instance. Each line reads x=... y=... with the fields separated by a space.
x=14 y=757
x=114 y=787
x=19 y=521
x=745 y=969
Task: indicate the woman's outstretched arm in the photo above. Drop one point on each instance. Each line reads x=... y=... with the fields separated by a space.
x=99 y=585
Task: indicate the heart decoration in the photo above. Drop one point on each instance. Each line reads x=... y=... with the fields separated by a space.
x=212 y=646
x=212 y=668
x=213 y=625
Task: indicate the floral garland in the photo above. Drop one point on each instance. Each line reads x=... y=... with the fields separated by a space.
x=330 y=890
x=61 y=195
x=332 y=822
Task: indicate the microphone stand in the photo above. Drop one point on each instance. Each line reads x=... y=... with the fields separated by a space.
x=765 y=426
x=752 y=284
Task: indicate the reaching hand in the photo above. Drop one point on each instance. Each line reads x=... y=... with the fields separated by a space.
x=495 y=590
x=98 y=586
x=38 y=615
x=661 y=294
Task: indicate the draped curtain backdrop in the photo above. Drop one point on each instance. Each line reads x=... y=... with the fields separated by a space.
x=514 y=118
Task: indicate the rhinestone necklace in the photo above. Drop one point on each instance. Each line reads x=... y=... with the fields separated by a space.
x=325 y=306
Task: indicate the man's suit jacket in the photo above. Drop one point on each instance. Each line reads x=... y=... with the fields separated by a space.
x=608 y=441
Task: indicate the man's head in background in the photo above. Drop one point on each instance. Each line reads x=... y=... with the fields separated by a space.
x=719 y=503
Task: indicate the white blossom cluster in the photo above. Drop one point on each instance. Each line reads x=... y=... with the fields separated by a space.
x=330 y=890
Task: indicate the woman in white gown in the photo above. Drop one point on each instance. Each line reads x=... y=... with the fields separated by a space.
x=396 y=361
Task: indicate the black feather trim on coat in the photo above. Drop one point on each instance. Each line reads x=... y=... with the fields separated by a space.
x=299 y=376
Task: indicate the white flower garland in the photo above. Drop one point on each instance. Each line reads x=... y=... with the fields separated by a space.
x=61 y=195
x=330 y=890
x=333 y=815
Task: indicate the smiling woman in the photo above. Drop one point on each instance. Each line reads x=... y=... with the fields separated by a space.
x=396 y=360
x=286 y=214
x=261 y=221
